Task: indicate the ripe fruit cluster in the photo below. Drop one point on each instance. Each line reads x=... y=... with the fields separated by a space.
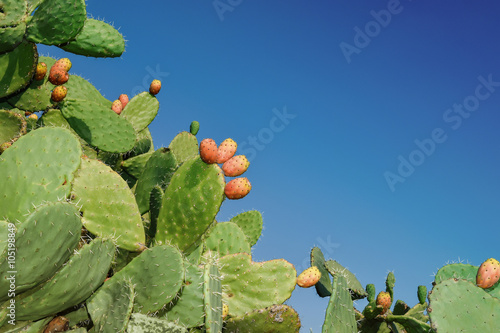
x=58 y=75
x=232 y=166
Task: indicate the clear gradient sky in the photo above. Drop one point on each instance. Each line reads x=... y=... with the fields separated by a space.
x=372 y=126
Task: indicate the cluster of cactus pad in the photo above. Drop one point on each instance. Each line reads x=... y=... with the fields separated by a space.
x=100 y=231
x=464 y=298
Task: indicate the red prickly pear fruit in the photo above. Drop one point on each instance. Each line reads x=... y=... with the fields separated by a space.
x=64 y=64
x=124 y=99
x=227 y=149
x=235 y=166
x=41 y=71
x=59 y=93
x=309 y=277
x=237 y=188
x=208 y=151
x=155 y=87
x=488 y=273
x=117 y=106
x=384 y=300
x=58 y=76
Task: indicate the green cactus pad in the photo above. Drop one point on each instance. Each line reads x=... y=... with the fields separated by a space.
x=72 y=284
x=37 y=168
x=276 y=319
x=188 y=310
x=77 y=317
x=340 y=316
x=135 y=165
x=456 y=271
x=227 y=238
x=157 y=275
x=111 y=306
x=57 y=224
x=155 y=201
x=184 y=146
x=354 y=285
x=81 y=89
x=251 y=224
x=19 y=66
x=422 y=294
x=99 y=126
x=190 y=204
x=12 y=11
x=11 y=36
x=143 y=144
x=108 y=205
x=248 y=285
x=418 y=312
x=12 y=126
x=159 y=169
x=141 y=110
x=6 y=230
x=26 y=326
x=324 y=285
x=140 y=323
x=459 y=306
x=390 y=282
x=51 y=24
x=212 y=297
x=96 y=39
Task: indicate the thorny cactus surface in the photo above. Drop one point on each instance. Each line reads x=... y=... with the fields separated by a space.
x=100 y=231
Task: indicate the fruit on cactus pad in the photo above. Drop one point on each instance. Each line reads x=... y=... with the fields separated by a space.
x=63 y=63
x=227 y=149
x=155 y=87
x=237 y=188
x=123 y=98
x=59 y=93
x=117 y=106
x=235 y=166
x=384 y=300
x=225 y=310
x=309 y=277
x=41 y=71
x=208 y=151
x=58 y=76
x=488 y=273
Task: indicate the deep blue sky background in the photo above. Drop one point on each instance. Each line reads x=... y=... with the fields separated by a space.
x=319 y=180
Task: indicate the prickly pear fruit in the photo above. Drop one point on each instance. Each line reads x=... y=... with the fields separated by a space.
x=41 y=70
x=422 y=294
x=123 y=98
x=64 y=64
x=194 y=127
x=117 y=106
x=384 y=300
x=58 y=76
x=33 y=116
x=155 y=87
x=237 y=188
x=227 y=149
x=309 y=277
x=58 y=324
x=208 y=151
x=225 y=310
x=235 y=166
x=488 y=273
x=59 y=93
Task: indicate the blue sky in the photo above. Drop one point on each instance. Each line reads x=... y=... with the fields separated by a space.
x=384 y=155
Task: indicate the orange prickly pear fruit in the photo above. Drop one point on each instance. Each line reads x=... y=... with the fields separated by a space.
x=64 y=64
x=235 y=166
x=227 y=149
x=58 y=76
x=124 y=99
x=155 y=87
x=384 y=300
x=208 y=151
x=237 y=188
x=309 y=277
x=117 y=106
x=59 y=93
x=41 y=70
x=488 y=273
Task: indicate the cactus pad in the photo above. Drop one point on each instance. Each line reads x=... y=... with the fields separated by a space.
x=12 y=126
x=227 y=238
x=141 y=110
x=324 y=285
x=108 y=205
x=20 y=63
x=340 y=316
x=276 y=319
x=456 y=271
x=184 y=146
x=251 y=224
x=354 y=285
x=140 y=323
x=37 y=168
x=248 y=285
